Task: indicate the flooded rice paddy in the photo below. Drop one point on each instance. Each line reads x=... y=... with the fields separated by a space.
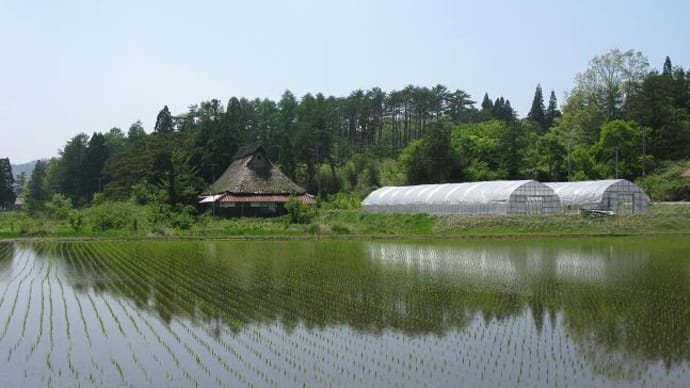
x=346 y=313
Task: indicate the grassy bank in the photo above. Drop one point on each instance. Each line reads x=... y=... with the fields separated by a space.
x=138 y=223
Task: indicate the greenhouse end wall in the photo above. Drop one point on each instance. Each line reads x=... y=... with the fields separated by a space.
x=617 y=195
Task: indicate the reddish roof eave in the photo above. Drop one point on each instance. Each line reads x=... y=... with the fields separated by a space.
x=269 y=198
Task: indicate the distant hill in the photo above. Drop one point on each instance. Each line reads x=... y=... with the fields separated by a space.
x=28 y=168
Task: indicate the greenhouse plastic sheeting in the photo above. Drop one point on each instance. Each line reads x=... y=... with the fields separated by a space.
x=491 y=197
x=617 y=195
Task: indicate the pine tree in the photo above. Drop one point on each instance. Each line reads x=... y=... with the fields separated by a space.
x=497 y=109
x=136 y=132
x=487 y=105
x=552 y=112
x=509 y=113
x=536 y=113
x=7 y=194
x=37 y=193
x=164 y=121
x=668 y=68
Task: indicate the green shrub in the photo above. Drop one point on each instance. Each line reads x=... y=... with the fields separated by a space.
x=76 y=220
x=33 y=228
x=665 y=184
x=342 y=201
x=340 y=229
x=112 y=215
x=59 y=207
x=182 y=217
x=314 y=229
x=298 y=212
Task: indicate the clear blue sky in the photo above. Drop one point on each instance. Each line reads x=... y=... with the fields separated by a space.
x=82 y=66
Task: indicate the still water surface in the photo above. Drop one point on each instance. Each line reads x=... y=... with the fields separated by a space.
x=346 y=313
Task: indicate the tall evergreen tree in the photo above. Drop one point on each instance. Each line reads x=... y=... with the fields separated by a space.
x=487 y=109
x=164 y=121
x=7 y=194
x=536 y=112
x=94 y=161
x=37 y=192
x=552 y=112
x=69 y=176
x=668 y=68
x=287 y=126
x=136 y=132
x=486 y=103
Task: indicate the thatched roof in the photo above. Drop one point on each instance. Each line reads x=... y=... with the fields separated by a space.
x=251 y=172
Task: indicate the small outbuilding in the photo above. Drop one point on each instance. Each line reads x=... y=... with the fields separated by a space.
x=253 y=186
x=619 y=196
x=524 y=197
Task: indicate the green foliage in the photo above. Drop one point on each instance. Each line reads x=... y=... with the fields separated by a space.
x=76 y=220
x=329 y=181
x=537 y=112
x=299 y=212
x=547 y=160
x=59 y=207
x=372 y=138
x=113 y=216
x=341 y=201
x=135 y=132
x=182 y=217
x=666 y=184
x=164 y=121
x=432 y=159
x=36 y=195
x=619 y=149
x=69 y=177
x=7 y=194
x=143 y=193
x=98 y=199
x=552 y=112
x=493 y=149
x=609 y=79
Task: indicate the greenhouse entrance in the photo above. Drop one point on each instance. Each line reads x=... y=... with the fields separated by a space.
x=625 y=204
x=535 y=205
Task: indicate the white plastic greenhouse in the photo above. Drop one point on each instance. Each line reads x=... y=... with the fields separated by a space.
x=616 y=195
x=492 y=197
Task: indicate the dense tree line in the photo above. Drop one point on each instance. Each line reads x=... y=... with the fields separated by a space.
x=620 y=120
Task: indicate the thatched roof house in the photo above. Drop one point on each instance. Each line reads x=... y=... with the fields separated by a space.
x=253 y=186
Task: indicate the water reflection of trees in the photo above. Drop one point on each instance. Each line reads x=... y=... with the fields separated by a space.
x=626 y=304
x=616 y=298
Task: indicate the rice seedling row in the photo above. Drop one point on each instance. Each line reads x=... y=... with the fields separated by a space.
x=250 y=348
x=25 y=316
x=330 y=314
x=247 y=364
x=204 y=345
x=100 y=271
x=19 y=277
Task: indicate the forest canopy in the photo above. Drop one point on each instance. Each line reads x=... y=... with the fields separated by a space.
x=622 y=119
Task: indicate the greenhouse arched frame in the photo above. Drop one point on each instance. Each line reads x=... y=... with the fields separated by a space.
x=523 y=197
x=619 y=196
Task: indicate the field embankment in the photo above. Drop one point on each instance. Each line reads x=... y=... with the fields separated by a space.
x=662 y=219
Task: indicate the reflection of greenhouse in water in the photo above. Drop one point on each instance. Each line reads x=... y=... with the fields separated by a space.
x=509 y=265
